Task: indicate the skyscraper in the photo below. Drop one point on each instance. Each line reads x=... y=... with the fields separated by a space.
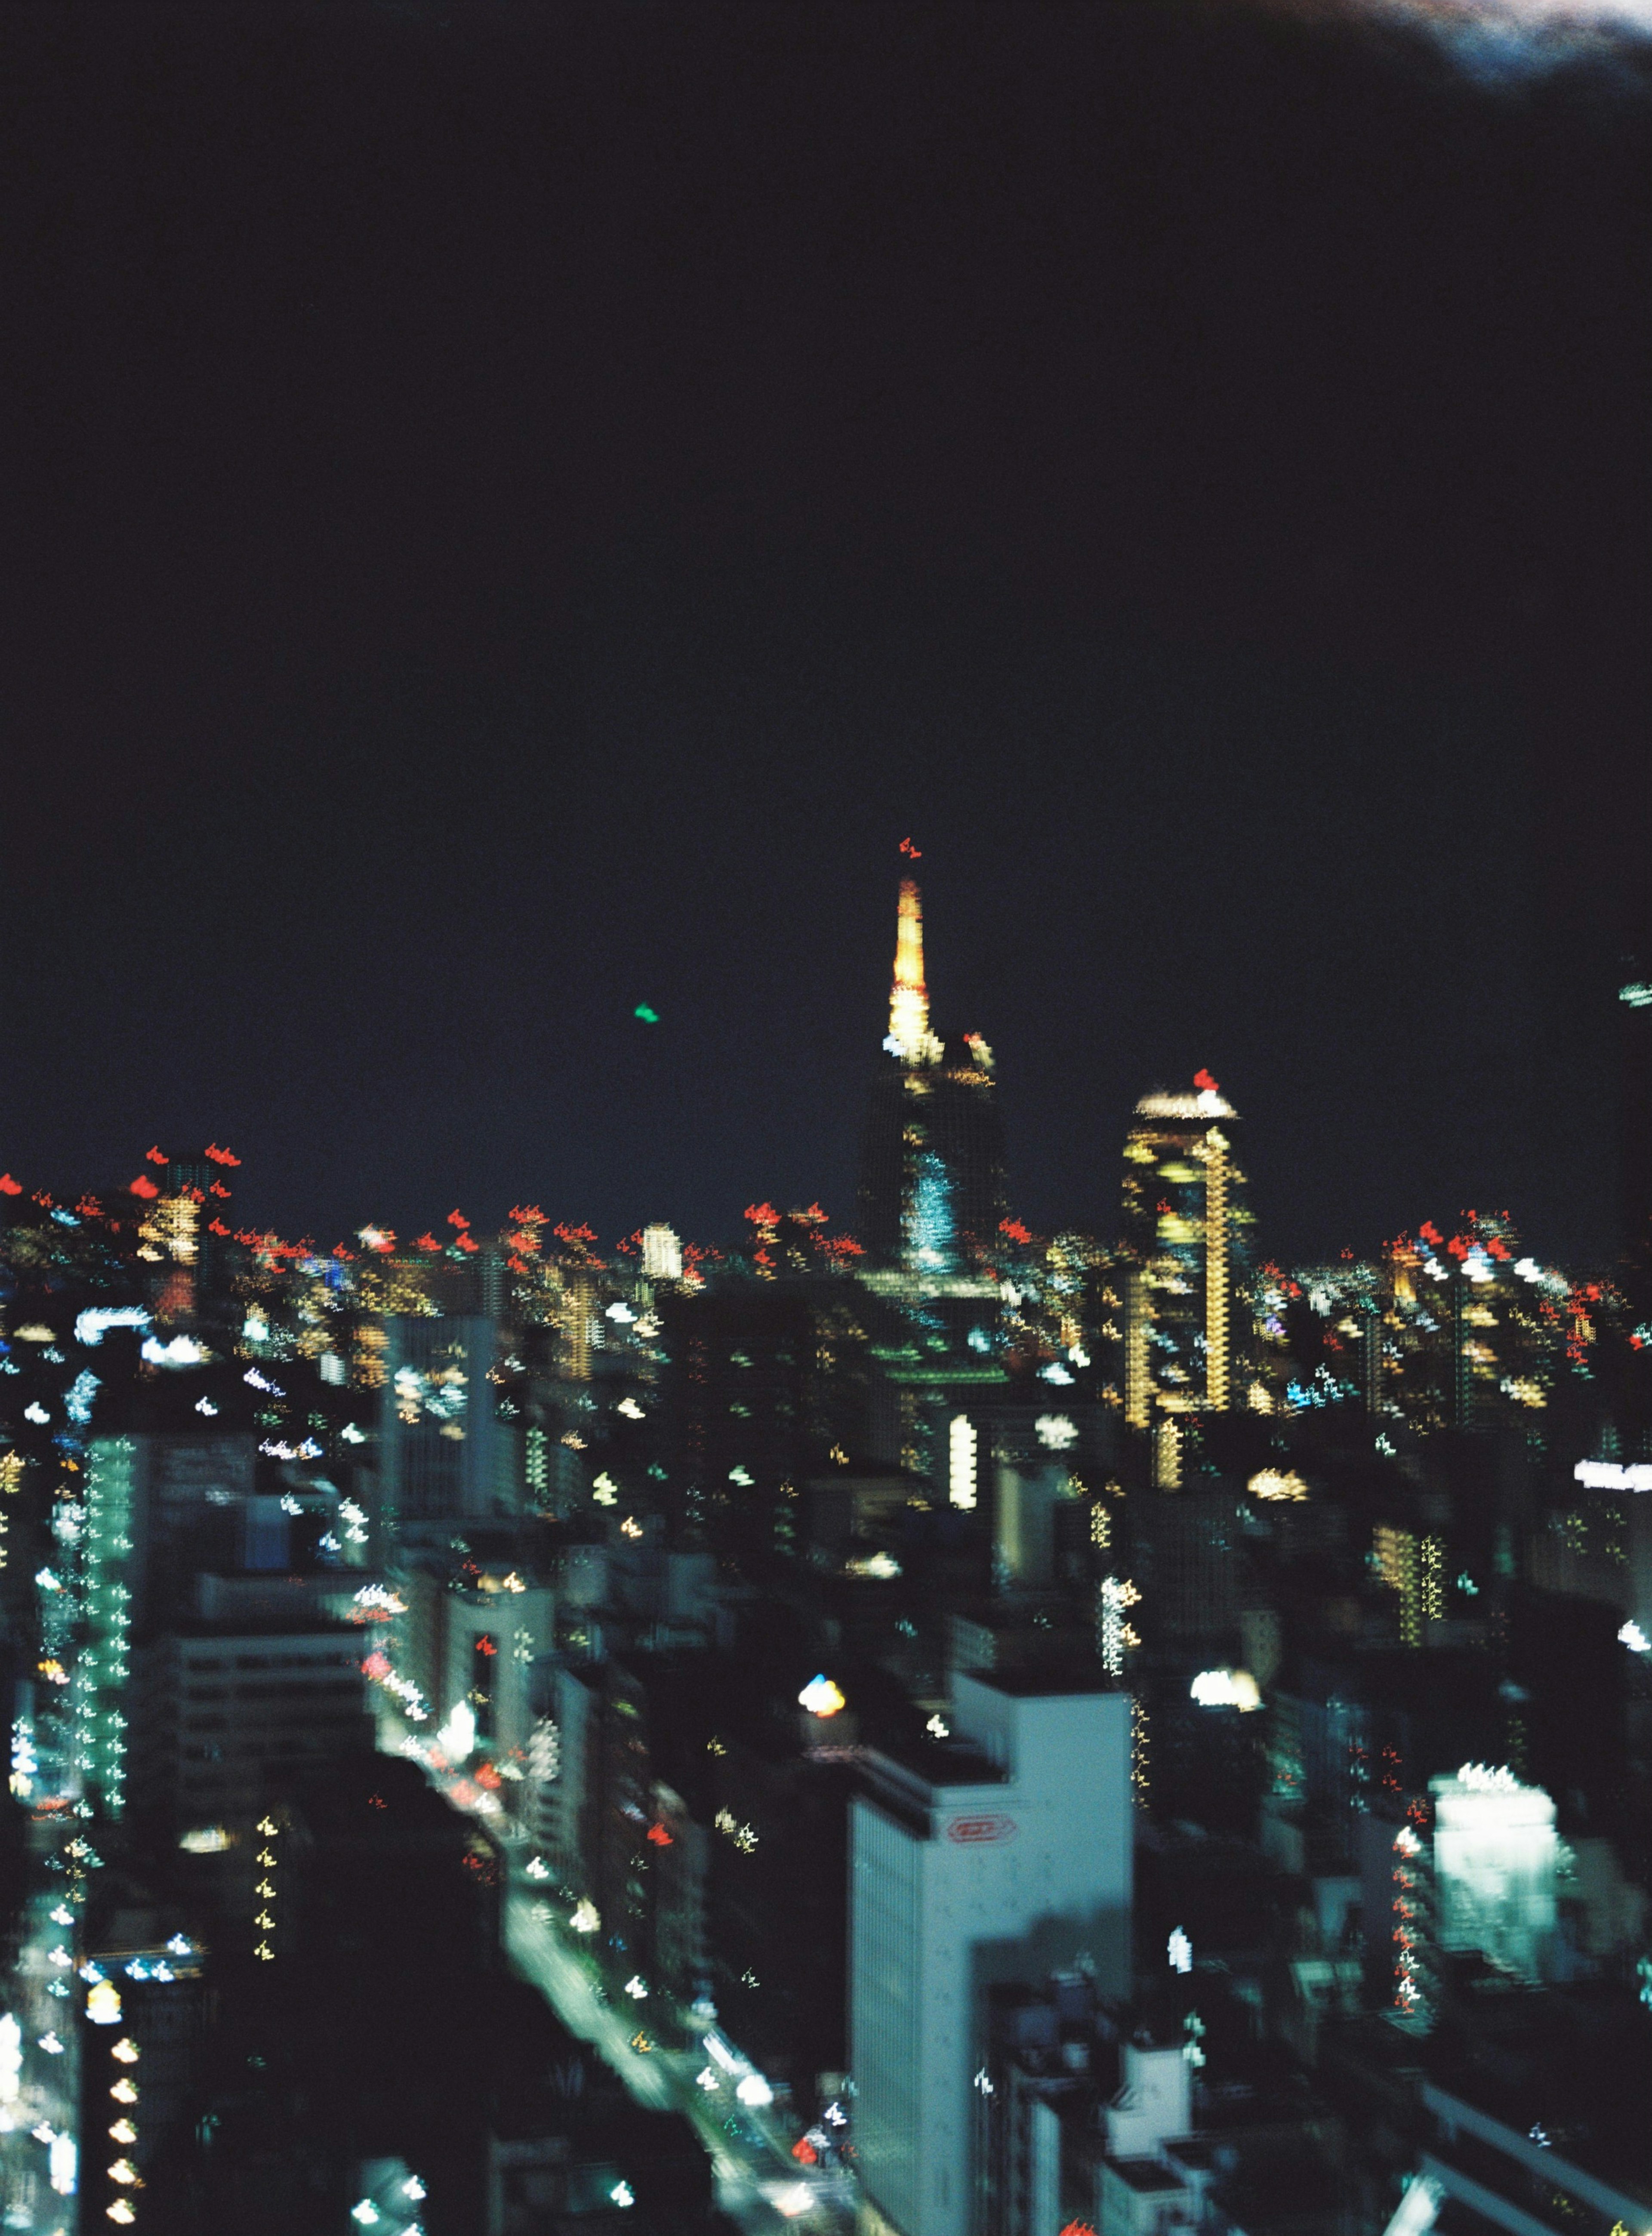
x=445 y=1453
x=1185 y=1222
x=932 y=1167
x=994 y=1856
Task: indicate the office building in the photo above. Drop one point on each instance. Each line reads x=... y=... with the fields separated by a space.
x=992 y=1855
x=765 y=1379
x=1098 y=2117
x=494 y=1635
x=1495 y=1861
x=228 y=1721
x=142 y=2022
x=1186 y=1231
x=98 y=1689
x=444 y=1453
x=662 y=1253
x=185 y=1494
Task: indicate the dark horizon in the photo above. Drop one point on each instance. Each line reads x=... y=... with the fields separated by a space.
x=519 y=525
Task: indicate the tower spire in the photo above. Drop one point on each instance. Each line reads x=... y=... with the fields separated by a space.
x=909 y=1037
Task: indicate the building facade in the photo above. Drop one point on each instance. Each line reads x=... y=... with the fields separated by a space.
x=1004 y=1850
x=1186 y=1229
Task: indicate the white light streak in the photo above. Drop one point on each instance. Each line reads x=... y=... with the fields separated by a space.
x=182 y=1350
x=91 y=1327
x=1607 y=1474
x=1225 y=1688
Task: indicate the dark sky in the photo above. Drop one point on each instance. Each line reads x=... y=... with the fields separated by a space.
x=514 y=512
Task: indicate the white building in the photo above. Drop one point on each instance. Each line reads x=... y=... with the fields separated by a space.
x=662 y=1254
x=1154 y=2105
x=1496 y=1858
x=1001 y=1853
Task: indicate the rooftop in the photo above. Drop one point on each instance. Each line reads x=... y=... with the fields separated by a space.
x=1146 y=2176
x=1207 y=1104
x=938 y=1762
x=202 y=1630
x=1041 y=1684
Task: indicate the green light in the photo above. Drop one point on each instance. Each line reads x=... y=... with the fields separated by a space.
x=649 y=1016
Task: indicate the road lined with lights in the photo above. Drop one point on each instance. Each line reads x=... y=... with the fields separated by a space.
x=760 y=2183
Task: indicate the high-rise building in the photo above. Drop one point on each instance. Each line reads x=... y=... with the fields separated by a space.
x=1496 y=1855
x=662 y=1253
x=1470 y=1334
x=932 y=1169
x=1186 y=1232
x=494 y=1635
x=992 y=1855
x=230 y=1716
x=98 y=1689
x=751 y=1410
x=142 y=2024
x=445 y=1453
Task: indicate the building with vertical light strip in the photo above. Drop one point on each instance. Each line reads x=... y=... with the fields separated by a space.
x=1186 y=1225
x=998 y=1853
x=142 y=2025
x=98 y=1689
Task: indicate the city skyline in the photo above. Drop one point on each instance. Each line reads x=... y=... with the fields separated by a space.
x=826 y=1118
x=1101 y=1220
x=391 y=1205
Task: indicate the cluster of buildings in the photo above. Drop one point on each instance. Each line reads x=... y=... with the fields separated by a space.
x=1083 y=1735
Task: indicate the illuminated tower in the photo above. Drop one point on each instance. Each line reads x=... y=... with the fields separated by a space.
x=1186 y=1224
x=932 y=1167
x=909 y=1037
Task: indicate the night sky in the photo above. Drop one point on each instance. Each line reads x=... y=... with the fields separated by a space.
x=514 y=512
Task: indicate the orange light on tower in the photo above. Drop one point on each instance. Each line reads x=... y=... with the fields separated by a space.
x=910 y=1036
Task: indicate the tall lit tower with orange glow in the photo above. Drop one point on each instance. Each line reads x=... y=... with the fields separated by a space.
x=932 y=1165
x=909 y=1037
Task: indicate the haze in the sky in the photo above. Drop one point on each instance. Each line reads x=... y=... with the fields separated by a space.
x=1583 y=16
x=1512 y=34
